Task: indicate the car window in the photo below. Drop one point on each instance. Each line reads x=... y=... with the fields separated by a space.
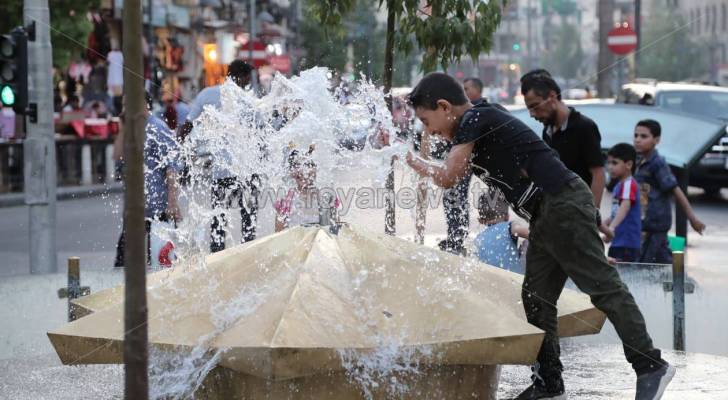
x=710 y=104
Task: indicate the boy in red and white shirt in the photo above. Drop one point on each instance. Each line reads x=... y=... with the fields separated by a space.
x=625 y=223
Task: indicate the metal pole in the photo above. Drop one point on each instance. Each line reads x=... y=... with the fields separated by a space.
x=389 y=212
x=638 y=31
x=678 y=300
x=606 y=23
x=39 y=146
x=253 y=34
x=136 y=382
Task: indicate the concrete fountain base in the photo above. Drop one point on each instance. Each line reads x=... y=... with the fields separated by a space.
x=441 y=382
x=593 y=372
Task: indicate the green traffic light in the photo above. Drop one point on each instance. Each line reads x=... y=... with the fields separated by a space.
x=7 y=96
x=516 y=46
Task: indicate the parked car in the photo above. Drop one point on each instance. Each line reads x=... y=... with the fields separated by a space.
x=711 y=172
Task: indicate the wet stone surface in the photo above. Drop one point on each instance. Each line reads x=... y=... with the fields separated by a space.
x=592 y=372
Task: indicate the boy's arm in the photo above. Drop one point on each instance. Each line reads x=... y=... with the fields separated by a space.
x=455 y=168
x=622 y=212
x=682 y=200
x=519 y=230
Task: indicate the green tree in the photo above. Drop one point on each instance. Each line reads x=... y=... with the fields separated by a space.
x=69 y=26
x=566 y=57
x=445 y=30
x=667 y=52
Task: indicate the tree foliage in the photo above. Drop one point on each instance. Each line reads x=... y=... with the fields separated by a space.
x=327 y=46
x=667 y=52
x=445 y=30
x=69 y=26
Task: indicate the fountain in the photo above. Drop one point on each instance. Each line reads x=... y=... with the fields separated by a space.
x=315 y=312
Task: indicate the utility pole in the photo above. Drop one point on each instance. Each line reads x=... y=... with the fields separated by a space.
x=136 y=381
x=529 y=36
x=638 y=31
x=39 y=146
x=389 y=212
x=605 y=59
x=251 y=42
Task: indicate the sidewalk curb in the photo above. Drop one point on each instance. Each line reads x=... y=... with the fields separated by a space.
x=64 y=193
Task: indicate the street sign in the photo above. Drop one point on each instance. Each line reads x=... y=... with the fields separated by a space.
x=622 y=40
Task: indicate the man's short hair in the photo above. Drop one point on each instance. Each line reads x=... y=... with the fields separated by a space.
x=437 y=86
x=492 y=205
x=624 y=152
x=239 y=69
x=475 y=81
x=541 y=82
x=652 y=125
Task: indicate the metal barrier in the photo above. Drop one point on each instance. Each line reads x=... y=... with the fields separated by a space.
x=679 y=287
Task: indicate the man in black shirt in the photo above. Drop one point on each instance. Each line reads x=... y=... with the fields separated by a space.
x=574 y=136
x=473 y=90
x=564 y=242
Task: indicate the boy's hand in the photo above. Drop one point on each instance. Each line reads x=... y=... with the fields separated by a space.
x=608 y=233
x=698 y=225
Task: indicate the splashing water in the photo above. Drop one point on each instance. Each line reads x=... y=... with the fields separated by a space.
x=252 y=137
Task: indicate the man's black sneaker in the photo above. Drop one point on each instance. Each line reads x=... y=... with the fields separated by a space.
x=651 y=385
x=538 y=391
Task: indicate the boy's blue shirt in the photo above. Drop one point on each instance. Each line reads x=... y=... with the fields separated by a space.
x=656 y=185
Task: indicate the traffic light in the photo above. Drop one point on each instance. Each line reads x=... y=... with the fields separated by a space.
x=517 y=46
x=14 y=70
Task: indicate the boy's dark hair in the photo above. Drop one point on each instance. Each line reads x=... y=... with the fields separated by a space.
x=475 y=81
x=541 y=82
x=239 y=69
x=297 y=159
x=492 y=205
x=652 y=125
x=624 y=152
x=437 y=86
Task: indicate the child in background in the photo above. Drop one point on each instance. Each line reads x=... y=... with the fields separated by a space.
x=657 y=183
x=625 y=223
x=497 y=244
x=301 y=204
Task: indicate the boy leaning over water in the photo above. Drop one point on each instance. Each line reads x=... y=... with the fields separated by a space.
x=564 y=242
x=657 y=184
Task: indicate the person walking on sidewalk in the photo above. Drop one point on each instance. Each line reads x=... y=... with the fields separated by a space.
x=564 y=241
x=161 y=167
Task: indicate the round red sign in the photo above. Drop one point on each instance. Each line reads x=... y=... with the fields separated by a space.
x=622 y=40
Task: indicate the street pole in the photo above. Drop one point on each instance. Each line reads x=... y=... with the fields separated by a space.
x=637 y=30
x=529 y=36
x=606 y=23
x=39 y=146
x=136 y=382
x=251 y=42
x=389 y=212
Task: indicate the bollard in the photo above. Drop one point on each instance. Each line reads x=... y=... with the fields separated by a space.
x=86 y=167
x=74 y=289
x=678 y=300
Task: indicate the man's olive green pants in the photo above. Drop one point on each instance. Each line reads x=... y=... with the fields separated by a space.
x=565 y=243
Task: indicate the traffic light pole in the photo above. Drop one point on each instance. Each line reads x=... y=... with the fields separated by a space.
x=39 y=148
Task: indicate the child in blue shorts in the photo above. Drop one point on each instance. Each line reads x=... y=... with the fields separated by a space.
x=497 y=244
x=624 y=223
